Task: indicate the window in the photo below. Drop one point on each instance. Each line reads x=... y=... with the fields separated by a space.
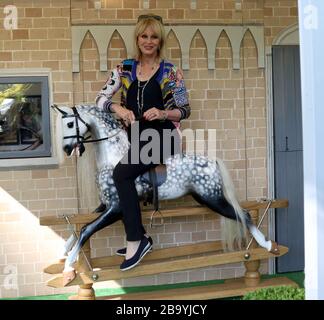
x=24 y=117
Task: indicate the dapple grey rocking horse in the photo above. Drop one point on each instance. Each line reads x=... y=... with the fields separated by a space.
x=206 y=180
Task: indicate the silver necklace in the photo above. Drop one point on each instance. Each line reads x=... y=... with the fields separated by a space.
x=140 y=68
x=140 y=102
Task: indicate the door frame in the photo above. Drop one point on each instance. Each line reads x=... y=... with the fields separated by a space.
x=288 y=36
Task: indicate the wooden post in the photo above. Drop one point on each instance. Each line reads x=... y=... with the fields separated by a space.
x=85 y=292
x=252 y=275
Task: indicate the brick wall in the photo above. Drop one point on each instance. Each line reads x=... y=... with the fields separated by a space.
x=230 y=101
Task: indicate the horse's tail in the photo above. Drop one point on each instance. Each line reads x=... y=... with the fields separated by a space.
x=232 y=232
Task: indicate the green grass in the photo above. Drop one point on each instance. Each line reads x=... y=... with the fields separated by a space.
x=298 y=277
x=276 y=293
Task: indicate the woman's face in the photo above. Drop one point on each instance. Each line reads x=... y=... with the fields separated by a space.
x=148 y=42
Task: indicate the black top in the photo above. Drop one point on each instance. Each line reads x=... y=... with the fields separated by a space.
x=152 y=95
x=152 y=98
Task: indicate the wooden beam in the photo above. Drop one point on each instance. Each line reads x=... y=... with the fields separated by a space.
x=155 y=255
x=174 y=212
x=227 y=289
x=149 y=268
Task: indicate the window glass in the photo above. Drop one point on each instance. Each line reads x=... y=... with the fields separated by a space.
x=22 y=120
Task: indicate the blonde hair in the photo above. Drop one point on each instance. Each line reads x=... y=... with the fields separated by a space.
x=151 y=21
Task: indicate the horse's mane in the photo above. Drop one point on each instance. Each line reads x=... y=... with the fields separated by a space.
x=86 y=165
x=108 y=118
x=59 y=138
x=86 y=168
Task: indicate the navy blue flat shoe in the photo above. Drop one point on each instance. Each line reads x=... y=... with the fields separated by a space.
x=122 y=252
x=143 y=249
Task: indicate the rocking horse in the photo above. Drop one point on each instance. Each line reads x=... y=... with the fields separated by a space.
x=206 y=180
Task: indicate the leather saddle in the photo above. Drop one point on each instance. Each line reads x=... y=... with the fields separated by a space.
x=154 y=178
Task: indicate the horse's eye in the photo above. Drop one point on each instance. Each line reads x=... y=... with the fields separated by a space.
x=70 y=124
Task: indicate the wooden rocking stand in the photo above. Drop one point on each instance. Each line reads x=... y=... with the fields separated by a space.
x=173 y=259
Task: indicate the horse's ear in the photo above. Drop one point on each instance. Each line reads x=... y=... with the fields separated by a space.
x=55 y=107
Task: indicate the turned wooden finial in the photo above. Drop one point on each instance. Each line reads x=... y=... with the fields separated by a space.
x=252 y=275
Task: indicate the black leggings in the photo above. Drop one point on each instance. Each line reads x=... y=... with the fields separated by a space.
x=124 y=176
x=127 y=171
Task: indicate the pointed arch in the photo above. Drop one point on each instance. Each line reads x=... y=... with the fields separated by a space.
x=244 y=46
x=88 y=43
x=89 y=58
x=173 y=48
x=116 y=50
x=198 y=45
x=218 y=56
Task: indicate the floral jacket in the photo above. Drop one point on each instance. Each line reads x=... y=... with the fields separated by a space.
x=170 y=79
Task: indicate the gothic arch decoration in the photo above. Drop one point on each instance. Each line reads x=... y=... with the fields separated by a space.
x=288 y=36
x=184 y=34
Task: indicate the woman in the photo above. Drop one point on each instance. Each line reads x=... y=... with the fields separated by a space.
x=153 y=93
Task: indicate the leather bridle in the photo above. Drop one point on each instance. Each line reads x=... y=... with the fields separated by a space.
x=81 y=139
x=77 y=117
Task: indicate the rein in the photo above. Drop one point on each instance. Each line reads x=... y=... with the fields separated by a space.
x=101 y=139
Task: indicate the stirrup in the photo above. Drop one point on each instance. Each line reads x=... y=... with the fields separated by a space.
x=152 y=217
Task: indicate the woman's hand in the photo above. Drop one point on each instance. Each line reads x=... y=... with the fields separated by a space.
x=155 y=114
x=126 y=115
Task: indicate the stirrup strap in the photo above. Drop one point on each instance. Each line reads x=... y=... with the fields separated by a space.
x=153 y=179
x=152 y=174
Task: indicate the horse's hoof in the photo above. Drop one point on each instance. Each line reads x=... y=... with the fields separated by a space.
x=275 y=248
x=68 y=276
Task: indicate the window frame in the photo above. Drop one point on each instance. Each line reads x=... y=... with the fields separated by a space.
x=46 y=150
x=41 y=162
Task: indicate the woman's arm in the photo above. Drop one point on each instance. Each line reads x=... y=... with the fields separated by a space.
x=104 y=98
x=177 y=108
x=180 y=94
x=112 y=85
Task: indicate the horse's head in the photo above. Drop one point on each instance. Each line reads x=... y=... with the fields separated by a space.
x=74 y=128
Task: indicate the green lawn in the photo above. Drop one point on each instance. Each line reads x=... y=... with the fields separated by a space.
x=298 y=277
